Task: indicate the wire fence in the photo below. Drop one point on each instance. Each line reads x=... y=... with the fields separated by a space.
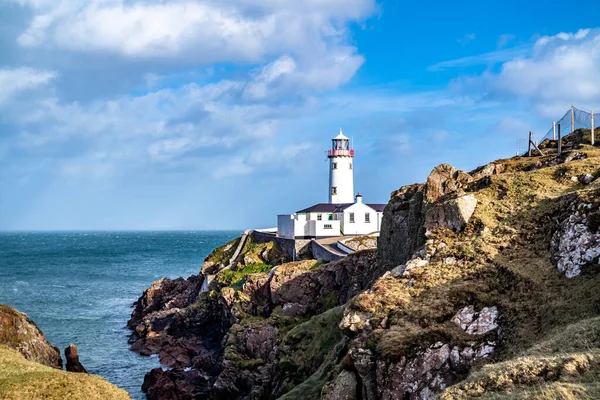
x=574 y=119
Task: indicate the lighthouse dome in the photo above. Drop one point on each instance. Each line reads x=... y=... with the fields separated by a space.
x=341 y=136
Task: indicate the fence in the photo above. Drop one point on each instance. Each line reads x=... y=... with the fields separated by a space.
x=573 y=119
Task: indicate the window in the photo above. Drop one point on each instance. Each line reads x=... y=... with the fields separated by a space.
x=330 y=217
x=367 y=218
x=351 y=218
x=327 y=226
x=334 y=165
x=333 y=190
x=319 y=217
x=350 y=165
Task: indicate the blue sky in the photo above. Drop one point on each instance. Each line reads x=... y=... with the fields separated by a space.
x=215 y=114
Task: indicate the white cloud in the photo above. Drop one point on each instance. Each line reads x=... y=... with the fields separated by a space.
x=202 y=31
x=511 y=126
x=561 y=70
x=286 y=76
x=505 y=39
x=13 y=81
x=235 y=166
x=491 y=58
x=555 y=72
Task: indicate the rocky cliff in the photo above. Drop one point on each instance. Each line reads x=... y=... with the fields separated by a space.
x=479 y=283
x=30 y=368
x=18 y=332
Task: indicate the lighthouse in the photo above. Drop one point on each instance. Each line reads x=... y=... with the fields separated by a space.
x=341 y=173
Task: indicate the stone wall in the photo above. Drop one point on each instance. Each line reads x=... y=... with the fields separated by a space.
x=320 y=252
x=292 y=247
x=295 y=247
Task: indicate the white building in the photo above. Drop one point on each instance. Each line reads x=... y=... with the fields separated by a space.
x=345 y=214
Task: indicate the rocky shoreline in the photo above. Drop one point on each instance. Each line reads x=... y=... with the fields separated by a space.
x=466 y=267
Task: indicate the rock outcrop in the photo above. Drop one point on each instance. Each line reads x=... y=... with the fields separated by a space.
x=18 y=332
x=414 y=211
x=72 y=357
x=577 y=243
x=464 y=276
x=402 y=229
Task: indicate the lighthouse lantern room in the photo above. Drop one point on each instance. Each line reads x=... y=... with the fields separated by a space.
x=341 y=175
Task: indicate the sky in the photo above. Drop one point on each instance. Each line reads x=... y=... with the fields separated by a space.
x=216 y=114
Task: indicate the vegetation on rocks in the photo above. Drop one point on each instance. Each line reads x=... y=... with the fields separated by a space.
x=235 y=278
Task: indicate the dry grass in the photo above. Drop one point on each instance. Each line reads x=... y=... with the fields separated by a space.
x=566 y=365
x=26 y=380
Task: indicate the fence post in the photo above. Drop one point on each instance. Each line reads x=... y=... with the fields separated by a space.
x=559 y=141
x=554 y=130
x=572 y=118
x=529 y=146
x=593 y=127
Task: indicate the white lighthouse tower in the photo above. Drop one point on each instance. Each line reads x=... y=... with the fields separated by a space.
x=341 y=175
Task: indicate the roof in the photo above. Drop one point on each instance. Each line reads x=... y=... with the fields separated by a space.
x=327 y=207
x=377 y=207
x=340 y=136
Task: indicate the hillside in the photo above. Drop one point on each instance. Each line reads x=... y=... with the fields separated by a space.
x=31 y=369
x=485 y=280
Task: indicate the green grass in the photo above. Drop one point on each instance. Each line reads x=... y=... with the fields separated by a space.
x=235 y=278
x=222 y=254
x=21 y=379
x=309 y=354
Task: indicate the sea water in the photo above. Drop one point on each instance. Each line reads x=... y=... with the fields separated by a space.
x=78 y=287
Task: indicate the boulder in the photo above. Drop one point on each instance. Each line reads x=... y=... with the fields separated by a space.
x=18 y=332
x=488 y=170
x=477 y=323
x=443 y=180
x=175 y=383
x=575 y=244
x=73 y=364
x=452 y=214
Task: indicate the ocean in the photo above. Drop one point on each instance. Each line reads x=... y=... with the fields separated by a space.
x=78 y=287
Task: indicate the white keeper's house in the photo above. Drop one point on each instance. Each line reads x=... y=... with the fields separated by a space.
x=344 y=214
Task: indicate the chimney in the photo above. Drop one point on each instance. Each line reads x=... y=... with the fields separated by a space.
x=359 y=198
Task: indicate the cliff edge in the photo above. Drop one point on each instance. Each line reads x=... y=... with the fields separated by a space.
x=30 y=368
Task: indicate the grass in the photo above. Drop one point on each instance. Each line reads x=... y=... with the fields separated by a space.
x=222 y=254
x=235 y=278
x=21 y=379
